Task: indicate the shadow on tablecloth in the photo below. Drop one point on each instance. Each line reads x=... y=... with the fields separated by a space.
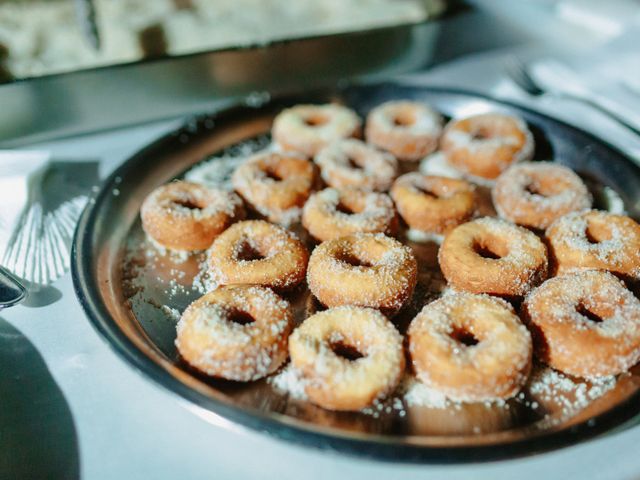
x=37 y=432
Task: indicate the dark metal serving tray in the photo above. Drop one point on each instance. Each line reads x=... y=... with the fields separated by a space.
x=143 y=335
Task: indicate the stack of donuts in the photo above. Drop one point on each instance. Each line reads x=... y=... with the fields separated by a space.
x=546 y=278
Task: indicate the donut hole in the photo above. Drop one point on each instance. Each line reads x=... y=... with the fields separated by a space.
x=316 y=120
x=273 y=173
x=596 y=233
x=426 y=191
x=354 y=162
x=464 y=336
x=489 y=250
x=342 y=208
x=345 y=350
x=239 y=316
x=350 y=258
x=349 y=206
x=545 y=188
x=482 y=133
x=404 y=118
x=248 y=252
x=589 y=313
x=189 y=203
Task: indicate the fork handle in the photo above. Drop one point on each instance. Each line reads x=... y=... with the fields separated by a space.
x=11 y=290
x=598 y=105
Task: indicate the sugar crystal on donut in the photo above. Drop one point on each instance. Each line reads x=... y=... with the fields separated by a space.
x=595 y=239
x=364 y=269
x=586 y=324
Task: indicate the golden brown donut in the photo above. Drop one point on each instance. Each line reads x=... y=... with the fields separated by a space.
x=239 y=333
x=409 y=130
x=493 y=256
x=188 y=216
x=595 y=239
x=433 y=204
x=470 y=347
x=534 y=194
x=275 y=185
x=309 y=128
x=585 y=324
x=348 y=357
x=363 y=269
x=331 y=213
x=486 y=145
x=352 y=163
x=256 y=252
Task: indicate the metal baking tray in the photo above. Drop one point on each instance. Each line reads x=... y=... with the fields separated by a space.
x=95 y=99
x=141 y=329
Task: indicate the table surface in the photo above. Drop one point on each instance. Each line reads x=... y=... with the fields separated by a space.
x=77 y=410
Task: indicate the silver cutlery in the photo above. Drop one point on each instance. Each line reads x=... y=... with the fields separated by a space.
x=519 y=73
x=11 y=290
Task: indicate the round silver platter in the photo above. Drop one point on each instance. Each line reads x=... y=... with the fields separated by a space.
x=132 y=299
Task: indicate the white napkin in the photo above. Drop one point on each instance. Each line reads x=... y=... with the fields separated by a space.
x=38 y=214
x=17 y=169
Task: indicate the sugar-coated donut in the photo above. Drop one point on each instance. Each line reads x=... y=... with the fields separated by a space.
x=595 y=239
x=409 y=130
x=585 y=324
x=363 y=269
x=258 y=253
x=353 y=163
x=308 y=128
x=487 y=144
x=188 y=216
x=433 y=204
x=470 y=347
x=333 y=213
x=493 y=256
x=534 y=194
x=239 y=333
x=275 y=185
x=348 y=357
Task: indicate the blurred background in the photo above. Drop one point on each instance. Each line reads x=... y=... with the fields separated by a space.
x=73 y=66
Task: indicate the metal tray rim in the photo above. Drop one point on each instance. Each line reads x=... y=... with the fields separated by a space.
x=380 y=448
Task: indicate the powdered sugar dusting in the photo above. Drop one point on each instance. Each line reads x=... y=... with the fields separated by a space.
x=164 y=282
x=290 y=380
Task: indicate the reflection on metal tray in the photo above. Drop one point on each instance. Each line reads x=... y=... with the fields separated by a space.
x=142 y=331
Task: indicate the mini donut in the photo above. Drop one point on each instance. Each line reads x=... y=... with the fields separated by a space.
x=470 y=347
x=493 y=256
x=352 y=163
x=534 y=194
x=348 y=357
x=433 y=204
x=275 y=185
x=256 y=252
x=239 y=333
x=585 y=324
x=363 y=269
x=188 y=216
x=331 y=213
x=409 y=130
x=595 y=240
x=309 y=128
x=485 y=145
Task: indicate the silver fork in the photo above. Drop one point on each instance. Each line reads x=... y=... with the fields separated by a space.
x=519 y=73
